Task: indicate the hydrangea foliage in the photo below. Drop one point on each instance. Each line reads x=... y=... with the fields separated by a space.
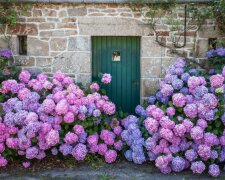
x=183 y=124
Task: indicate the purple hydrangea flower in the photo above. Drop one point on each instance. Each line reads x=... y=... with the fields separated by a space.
x=214 y=170
x=151 y=100
x=211 y=53
x=178 y=164
x=198 y=167
x=221 y=51
x=6 y=53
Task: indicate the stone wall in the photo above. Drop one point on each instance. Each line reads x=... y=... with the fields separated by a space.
x=59 y=38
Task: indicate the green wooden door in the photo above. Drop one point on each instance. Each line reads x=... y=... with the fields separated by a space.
x=119 y=56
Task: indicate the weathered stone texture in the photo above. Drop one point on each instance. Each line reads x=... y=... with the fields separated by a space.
x=73 y=62
x=46 y=26
x=36 y=47
x=80 y=11
x=201 y=47
x=83 y=78
x=150 y=48
x=149 y=87
x=58 y=44
x=25 y=61
x=23 y=29
x=151 y=67
x=79 y=43
x=112 y=26
x=44 y=62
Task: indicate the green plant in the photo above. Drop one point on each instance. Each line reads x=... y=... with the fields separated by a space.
x=159 y=14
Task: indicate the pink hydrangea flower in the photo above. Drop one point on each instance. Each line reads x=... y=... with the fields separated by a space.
x=47 y=85
x=161 y=162
x=170 y=111
x=179 y=130
x=188 y=125
x=59 y=76
x=197 y=133
x=151 y=125
x=204 y=152
x=69 y=117
x=193 y=82
x=118 y=130
x=94 y=87
x=62 y=107
x=106 y=78
x=70 y=138
x=102 y=149
x=26 y=164
x=216 y=81
x=118 y=145
x=109 y=108
x=110 y=156
x=78 y=129
x=165 y=122
x=179 y=100
x=3 y=162
x=48 y=105
x=166 y=134
x=191 y=110
x=24 y=76
x=52 y=138
x=22 y=93
x=92 y=139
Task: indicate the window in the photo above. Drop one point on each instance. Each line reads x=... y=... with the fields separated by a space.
x=212 y=42
x=22 y=45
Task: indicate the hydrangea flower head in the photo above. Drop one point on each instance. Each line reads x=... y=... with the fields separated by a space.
x=106 y=78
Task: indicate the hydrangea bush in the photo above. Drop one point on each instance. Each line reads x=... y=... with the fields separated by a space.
x=181 y=127
x=42 y=115
x=183 y=124
x=7 y=70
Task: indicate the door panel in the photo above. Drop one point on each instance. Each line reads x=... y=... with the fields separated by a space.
x=124 y=90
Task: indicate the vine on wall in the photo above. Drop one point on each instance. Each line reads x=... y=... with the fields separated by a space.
x=193 y=16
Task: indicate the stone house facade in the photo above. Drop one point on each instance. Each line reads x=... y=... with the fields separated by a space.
x=59 y=37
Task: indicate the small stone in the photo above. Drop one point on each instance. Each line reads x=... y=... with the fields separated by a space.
x=46 y=26
x=150 y=87
x=79 y=43
x=23 y=29
x=150 y=48
x=53 y=19
x=46 y=34
x=66 y=20
x=70 y=32
x=58 y=44
x=43 y=62
x=126 y=14
x=67 y=25
x=36 y=47
x=35 y=19
x=49 y=12
x=96 y=14
x=73 y=62
x=83 y=78
x=151 y=67
x=63 y=13
x=37 y=13
x=80 y=11
x=24 y=61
